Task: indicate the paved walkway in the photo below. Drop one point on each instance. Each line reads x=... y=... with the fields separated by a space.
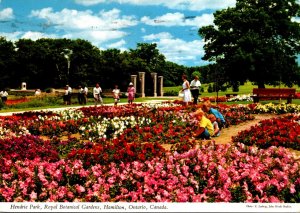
x=76 y=107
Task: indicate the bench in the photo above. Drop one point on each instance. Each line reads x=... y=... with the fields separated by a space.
x=273 y=94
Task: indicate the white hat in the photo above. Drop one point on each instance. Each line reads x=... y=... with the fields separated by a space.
x=130 y=83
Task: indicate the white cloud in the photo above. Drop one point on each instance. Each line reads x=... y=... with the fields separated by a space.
x=179 y=19
x=117 y=45
x=178 y=50
x=194 y=5
x=96 y=37
x=11 y=36
x=85 y=20
x=97 y=28
x=159 y=36
x=14 y=36
x=37 y=35
x=89 y=2
x=6 y=14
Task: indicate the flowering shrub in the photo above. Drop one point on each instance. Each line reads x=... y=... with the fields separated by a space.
x=275 y=108
x=273 y=132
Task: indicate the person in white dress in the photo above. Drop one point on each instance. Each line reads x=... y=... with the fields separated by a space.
x=187 y=97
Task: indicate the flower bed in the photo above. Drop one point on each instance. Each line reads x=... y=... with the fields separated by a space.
x=109 y=154
x=273 y=132
x=221 y=173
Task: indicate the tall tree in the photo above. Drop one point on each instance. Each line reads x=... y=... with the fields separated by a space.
x=7 y=61
x=256 y=40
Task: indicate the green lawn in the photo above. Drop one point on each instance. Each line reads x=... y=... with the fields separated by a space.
x=58 y=102
x=243 y=89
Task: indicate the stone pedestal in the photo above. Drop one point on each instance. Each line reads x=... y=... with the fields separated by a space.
x=133 y=80
x=161 y=85
x=23 y=86
x=154 y=77
x=142 y=83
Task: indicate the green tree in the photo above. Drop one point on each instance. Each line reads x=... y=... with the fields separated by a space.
x=7 y=61
x=256 y=40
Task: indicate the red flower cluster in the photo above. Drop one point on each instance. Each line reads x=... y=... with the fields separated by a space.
x=27 y=147
x=273 y=132
x=117 y=151
x=16 y=101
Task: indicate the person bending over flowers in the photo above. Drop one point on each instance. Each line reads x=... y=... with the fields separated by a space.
x=206 y=129
x=207 y=108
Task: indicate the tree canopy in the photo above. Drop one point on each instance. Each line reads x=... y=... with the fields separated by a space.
x=257 y=40
x=48 y=63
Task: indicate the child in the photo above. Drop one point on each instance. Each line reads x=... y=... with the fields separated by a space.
x=206 y=129
x=131 y=93
x=207 y=108
x=116 y=94
x=215 y=124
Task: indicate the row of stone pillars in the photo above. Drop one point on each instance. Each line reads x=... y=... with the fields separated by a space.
x=155 y=78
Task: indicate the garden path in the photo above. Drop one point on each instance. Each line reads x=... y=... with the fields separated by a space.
x=233 y=130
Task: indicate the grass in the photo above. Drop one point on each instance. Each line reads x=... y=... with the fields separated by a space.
x=57 y=102
x=243 y=89
x=40 y=103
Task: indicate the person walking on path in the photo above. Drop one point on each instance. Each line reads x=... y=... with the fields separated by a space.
x=195 y=88
x=131 y=93
x=186 y=91
x=97 y=94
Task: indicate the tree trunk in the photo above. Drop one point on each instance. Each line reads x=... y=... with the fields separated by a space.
x=261 y=84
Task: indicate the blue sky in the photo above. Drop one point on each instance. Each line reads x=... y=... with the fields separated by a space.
x=172 y=24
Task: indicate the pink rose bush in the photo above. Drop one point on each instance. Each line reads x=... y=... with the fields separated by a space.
x=110 y=154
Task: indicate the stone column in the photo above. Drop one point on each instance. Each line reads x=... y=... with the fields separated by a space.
x=161 y=85
x=154 y=77
x=133 y=80
x=142 y=81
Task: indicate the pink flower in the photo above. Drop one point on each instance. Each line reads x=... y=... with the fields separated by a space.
x=80 y=189
x=33 y=196
x=292 y=189
x=70 y=195
x=274 y=199
x=111 y=179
